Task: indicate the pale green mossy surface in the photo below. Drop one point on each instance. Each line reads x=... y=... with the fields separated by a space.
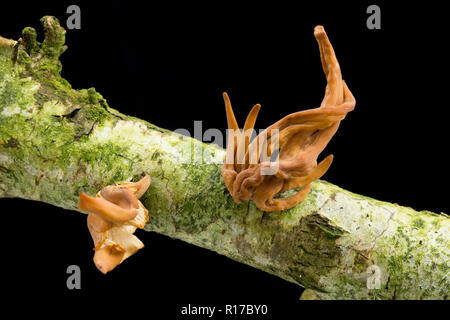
x=56 y=142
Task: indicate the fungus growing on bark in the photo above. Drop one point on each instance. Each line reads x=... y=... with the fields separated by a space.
x=114 y=214
x=248 y=171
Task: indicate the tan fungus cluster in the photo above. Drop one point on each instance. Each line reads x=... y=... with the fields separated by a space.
x=301 y=138
x=114 y=214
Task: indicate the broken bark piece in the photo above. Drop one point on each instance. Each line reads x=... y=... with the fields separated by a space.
x=114 y=214
x=299 y=138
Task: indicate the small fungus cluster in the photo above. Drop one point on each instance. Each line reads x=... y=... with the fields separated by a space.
x=301 y=138
x=114 y=214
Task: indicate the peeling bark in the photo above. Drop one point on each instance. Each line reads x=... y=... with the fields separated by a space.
x=56 y=142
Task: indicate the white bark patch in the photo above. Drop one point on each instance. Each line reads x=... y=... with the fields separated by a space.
x=361 y=218
x=4 y=159
x=13 y=110
x=31 y=170
x=35 y=87
x=57 y=174
x=54 y=108
x=10 y=111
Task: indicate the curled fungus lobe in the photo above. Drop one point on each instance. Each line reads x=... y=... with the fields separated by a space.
x=114 y=214
x=296 y=140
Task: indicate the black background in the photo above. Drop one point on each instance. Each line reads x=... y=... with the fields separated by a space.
x=169 y=64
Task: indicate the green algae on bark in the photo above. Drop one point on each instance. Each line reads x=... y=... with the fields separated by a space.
x=56 y=142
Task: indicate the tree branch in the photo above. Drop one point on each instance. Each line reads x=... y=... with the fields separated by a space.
x=56 y=142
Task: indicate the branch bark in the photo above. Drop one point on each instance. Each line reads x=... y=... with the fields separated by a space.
x=56 y=142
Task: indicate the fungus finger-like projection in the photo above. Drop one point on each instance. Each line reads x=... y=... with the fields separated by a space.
x=114 y=214
x=250 y=173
